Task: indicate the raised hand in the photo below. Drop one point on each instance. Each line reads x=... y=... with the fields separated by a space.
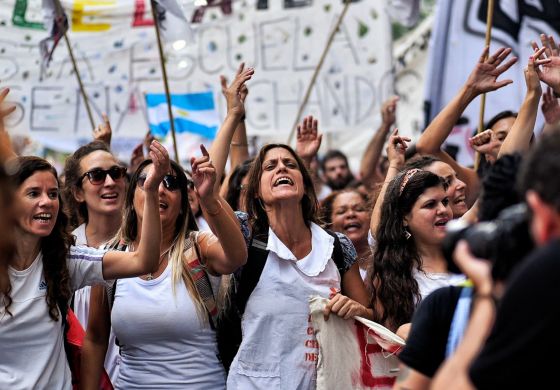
x=486 y=143
x=235 y=93
x=531 y=76
x=5 y=109
x=308 y=139
x=550 y=107
x=396 y=149
x=160 y=167
x=203 y=175
x=550 y=72
x=389 y=110
x=103 y=131
x=484 y=77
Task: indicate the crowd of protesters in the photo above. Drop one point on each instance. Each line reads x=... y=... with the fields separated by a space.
x=199 y=277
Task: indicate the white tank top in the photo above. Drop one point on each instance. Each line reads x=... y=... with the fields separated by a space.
x=163 y=342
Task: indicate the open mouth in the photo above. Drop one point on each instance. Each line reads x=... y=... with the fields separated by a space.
x=43 y=217
x=459 y=200
x=283 y=181
x=111 y=195
x=441 y=223
x=163 y=206
x=352 y=226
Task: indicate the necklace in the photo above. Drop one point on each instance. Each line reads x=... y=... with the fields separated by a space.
x=163 y=256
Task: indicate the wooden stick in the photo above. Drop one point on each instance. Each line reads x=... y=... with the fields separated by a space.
x=318 y=69
x=77 y=72
x=489 y=20
x=165 y=81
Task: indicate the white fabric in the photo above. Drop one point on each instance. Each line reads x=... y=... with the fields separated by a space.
x=279 y=349
x=32 y=345
x=202 y=224
x=429 y=282
x=323 y=192
x=81 y=309
x=163 y=343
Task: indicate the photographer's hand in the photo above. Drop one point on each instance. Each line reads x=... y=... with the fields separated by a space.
x=479 y=271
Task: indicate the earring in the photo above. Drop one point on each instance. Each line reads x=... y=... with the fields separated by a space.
x=407 y=234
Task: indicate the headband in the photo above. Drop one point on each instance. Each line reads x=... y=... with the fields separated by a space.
x=407 y=176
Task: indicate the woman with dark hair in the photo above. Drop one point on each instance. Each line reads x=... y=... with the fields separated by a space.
x=46 y=269
x=348 y=212
x=175 y=346
x=237 y=186
x=278 y=350
x=93 y=191
x=408 y=263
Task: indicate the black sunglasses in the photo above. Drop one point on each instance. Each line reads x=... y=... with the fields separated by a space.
x=170 y=182
x=97 y=176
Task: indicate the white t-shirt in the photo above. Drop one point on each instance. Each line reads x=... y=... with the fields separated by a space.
x=429 y=282
x=164 y=345
x=32 y=344
x=81 y=309
x=279 y=349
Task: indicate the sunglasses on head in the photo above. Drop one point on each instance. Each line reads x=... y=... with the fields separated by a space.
x=97 y=176
x=170 y=182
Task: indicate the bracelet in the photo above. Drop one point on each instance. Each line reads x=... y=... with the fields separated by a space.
x=240 y=144
x=490 y=296
x=213 y=214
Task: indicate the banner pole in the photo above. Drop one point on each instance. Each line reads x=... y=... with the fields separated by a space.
x=81 y=85
x=165 y=80
x=318 y=69
x=489 y=20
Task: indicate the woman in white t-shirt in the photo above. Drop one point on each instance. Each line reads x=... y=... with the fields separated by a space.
x=279 y=349
x=348 y=212
x=46 y=269
x=94 y=189
x=161 y=320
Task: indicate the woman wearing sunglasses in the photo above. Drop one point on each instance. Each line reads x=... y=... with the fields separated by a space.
x=94 y=195
x=46 y=268
x=161 y=320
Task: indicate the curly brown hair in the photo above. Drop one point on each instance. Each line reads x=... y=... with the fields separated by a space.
x=77 y=211
x=56 y=245
x=328 y=203
x=257 y=215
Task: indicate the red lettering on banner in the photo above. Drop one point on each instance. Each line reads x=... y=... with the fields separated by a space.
x=311 y=357
x=139 y=11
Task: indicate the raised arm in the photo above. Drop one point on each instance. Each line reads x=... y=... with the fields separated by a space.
x=235 y=112
x=519 y=136
x=482 y=79
x=550 y=72
x=229 y=252
x=6 y=109
x=103 y=131
x=373 y=151
x=396 y=149
x=308 y=140
x=118 y=264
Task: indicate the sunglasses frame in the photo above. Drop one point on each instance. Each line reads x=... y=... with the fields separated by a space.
x=105 y=172
x=166 y=182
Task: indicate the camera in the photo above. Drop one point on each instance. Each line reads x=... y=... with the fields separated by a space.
x=504 y=241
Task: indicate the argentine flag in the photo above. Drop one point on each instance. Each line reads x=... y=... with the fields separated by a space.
x=192 y=112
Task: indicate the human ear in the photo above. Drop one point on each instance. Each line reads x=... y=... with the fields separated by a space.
x=78 y=194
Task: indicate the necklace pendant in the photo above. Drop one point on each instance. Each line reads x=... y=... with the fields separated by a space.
x=150 y=277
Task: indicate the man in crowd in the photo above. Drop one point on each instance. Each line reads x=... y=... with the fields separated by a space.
x=336 y=171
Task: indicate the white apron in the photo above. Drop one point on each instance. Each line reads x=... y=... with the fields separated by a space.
x=279 y=349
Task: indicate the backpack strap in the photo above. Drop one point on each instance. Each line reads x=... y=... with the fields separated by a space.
x=338 y=253
x=202 y=281
x=252 y=270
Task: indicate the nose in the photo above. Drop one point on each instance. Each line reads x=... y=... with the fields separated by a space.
x=460 y=184
x=109 y=181
x=45 y=200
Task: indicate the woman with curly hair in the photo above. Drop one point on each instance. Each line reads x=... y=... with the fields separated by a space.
x=46 y=268
x=408 y=263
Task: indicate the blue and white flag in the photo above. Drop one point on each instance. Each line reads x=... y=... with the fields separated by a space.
x=192 y=112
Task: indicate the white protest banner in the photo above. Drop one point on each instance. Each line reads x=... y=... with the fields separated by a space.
x=114 y=42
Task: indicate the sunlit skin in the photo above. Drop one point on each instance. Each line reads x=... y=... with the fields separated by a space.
x=337 y=172
x=428 y=217
x=281 y=178
x=106 y=198
x=456 y=191
x=169 y=203
x=36 y=204
x=351 y=216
